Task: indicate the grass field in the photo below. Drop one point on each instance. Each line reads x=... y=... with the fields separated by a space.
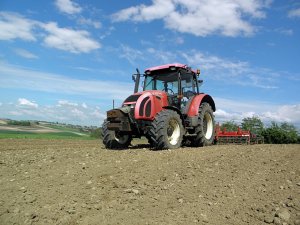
x=52 y=135
x=57 y=127
x=45 y=131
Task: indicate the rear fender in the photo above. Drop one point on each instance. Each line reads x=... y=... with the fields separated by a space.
x=197 y=100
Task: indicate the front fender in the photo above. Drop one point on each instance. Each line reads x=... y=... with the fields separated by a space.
x=197 y=101
x=149 y=104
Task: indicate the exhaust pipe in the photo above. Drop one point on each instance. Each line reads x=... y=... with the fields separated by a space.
x=137 y=81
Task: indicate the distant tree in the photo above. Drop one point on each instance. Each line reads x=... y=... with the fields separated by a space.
x=291 y=134
x=19 y=123
x=96 y=133
x=280 y=134
x=254 y=124
x=229 y=126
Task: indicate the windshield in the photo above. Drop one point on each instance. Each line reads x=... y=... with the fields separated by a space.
x=169 y=83
x=163 y=82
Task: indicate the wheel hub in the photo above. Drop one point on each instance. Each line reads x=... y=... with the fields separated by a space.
x=173 y=132
x=121 y=138
x=208 y=125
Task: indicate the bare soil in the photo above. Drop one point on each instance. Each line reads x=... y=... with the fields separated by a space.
x=80 y=182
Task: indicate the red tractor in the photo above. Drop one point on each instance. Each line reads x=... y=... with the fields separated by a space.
x=169 y=111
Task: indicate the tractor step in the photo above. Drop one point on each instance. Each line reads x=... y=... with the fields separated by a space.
x=189 y=128
x=191 y=135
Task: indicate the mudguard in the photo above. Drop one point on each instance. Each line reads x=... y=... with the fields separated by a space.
x=149 y=104
x=197 y=100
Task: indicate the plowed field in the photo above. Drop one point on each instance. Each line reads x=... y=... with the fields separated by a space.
x=80 y=182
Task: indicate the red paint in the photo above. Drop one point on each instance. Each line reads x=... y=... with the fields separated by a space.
x=195 y=104
x=156 y=104
x=238 y=133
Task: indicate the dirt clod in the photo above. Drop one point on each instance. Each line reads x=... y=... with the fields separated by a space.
x=283 y=214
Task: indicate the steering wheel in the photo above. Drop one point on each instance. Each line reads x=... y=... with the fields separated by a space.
x=188 y=94
x=169 y=91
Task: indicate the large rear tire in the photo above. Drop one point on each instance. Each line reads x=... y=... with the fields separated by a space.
x=166 y=130
x=113 y=139
x=205 y=131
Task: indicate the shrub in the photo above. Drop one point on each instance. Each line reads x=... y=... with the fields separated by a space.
x=229 y=126
x=19 y=123
x=96 y=133
x=280 y=134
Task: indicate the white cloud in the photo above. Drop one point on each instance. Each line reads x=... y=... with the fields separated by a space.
x=78 y=113
x=216 y=68
x=179 y=40
x=25 y=102
x=84 y=105
x=284 y=31
x=161 y=56
x=64 y=103
x=234 y=72
x=89 y=22
x=209 y=62
x=285 y=113
x=75 y=41
x=277 y=113
x=14 y=26
x=108 y=32
x=202 y=17
x=68 y=6
x=130 y=54
x=25 y=54
x=66 y=113
x=21 y=78
x=294 y=13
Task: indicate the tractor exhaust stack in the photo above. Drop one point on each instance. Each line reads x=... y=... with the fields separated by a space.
x=137 y=81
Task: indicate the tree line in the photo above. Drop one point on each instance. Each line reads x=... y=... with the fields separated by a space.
x=19 y=123
x=275 y=133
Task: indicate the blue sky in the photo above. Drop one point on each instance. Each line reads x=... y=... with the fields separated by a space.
x=66 y=60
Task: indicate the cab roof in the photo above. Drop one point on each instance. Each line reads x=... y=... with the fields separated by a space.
x=167 y=66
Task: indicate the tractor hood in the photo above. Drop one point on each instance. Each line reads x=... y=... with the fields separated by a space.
x=132 y=99
x=147 y=103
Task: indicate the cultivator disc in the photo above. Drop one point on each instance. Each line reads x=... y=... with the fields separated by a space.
x=233 y=140
x=257 y=140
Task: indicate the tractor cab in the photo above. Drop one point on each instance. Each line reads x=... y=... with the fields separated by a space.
x=177 y=80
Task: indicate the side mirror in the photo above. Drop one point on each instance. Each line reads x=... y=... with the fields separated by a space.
x=134 y=77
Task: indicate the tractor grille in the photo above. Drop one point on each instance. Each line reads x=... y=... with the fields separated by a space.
x=132 y=98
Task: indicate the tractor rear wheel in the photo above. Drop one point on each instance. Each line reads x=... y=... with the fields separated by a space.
x=166 y=130
x=205 y=131
x=113 y=139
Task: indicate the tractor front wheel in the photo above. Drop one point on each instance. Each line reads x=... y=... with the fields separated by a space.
x=205 y=131
x=166 y=130
x=113 y=139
